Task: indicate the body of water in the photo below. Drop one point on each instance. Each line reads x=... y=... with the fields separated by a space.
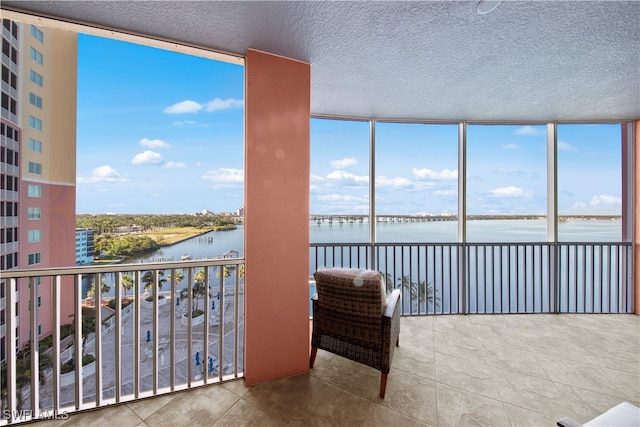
x=214 y=244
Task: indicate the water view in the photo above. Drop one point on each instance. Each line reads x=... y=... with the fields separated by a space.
x=215 y=244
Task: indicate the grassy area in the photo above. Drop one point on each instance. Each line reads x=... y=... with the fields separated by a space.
x=169 y=236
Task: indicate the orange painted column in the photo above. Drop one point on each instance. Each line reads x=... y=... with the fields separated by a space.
x=636 y=220
x=277 y=127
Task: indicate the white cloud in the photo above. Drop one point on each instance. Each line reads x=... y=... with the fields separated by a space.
x=174 y=165
x=566 y=147
x=184 y=122
x=183 y=107
x=104 y=173
x=509 y=191
x=147 y=157
x=153 y=143
x=344 y=163
x=224 y=104
x=383 y=181
x=224 y=177
x=605 y=200
x=530 y=130
x=425 y=173
x=346 y=176
x=511 y=146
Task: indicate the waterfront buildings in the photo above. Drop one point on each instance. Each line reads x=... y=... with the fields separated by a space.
x=85 y=245
x=38 y=124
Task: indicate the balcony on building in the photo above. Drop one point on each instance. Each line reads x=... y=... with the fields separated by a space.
x=495 y=344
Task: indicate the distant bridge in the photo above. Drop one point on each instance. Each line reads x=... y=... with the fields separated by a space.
x=352 y=218
x=342 y=219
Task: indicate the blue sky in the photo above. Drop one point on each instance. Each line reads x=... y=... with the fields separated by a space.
x=162 y=132
x=157 y=131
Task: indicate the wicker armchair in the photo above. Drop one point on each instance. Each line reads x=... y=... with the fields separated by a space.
x=353 y=318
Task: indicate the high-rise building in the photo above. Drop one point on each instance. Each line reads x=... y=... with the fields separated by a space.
x=38 y=143
x=85 y=245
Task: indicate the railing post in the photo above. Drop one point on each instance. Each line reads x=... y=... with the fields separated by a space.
x=78 y=339
x=118 y=338
x=11 y=294
x=97 y=342
x=56 y=284
x=555 y=276
x=136 y=335
x=154 y=331
x=207 y=315
x=35 y=359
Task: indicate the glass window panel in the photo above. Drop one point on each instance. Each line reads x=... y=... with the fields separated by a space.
x=35 y=145
x=506 y=183
x=590 y=182
x=35 y=77
x=35 y=32
x=36 y=56
x=339 y=198
x=416 y=182
x=35 y=190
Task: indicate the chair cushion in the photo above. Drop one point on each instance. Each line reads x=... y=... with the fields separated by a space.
x=623 y=415
x=355 y=277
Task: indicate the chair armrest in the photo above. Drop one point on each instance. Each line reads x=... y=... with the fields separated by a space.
x=568 y=422
x=392 y=300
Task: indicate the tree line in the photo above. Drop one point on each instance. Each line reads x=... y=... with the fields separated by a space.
x=102 y=223
x=108 y=228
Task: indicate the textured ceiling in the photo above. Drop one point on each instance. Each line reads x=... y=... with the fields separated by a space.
x=525 y=61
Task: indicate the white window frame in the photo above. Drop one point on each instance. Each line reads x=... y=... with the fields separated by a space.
x=34 y=213
x=35 y=190
x=34 y=236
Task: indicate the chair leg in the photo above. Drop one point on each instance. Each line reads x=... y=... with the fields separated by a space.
x=383 y=385
x=312 y=359
x=398 y=342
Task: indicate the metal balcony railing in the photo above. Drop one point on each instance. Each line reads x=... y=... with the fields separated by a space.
x=146 y=345
x=456 y=278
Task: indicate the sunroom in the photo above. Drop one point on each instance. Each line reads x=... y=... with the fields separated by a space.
x=495 y=331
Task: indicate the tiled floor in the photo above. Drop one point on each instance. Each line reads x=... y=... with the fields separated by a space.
x=476 y=370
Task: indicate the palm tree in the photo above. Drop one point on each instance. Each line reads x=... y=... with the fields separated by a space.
x=174 y=280
x=419 y=291
x=149 y=278
x=127 y=282
x=241 y=271
x=179 y=277
x=388 y=280
x=23 y=375
x=199 y=287
x=224 y=272
x=104 y=288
